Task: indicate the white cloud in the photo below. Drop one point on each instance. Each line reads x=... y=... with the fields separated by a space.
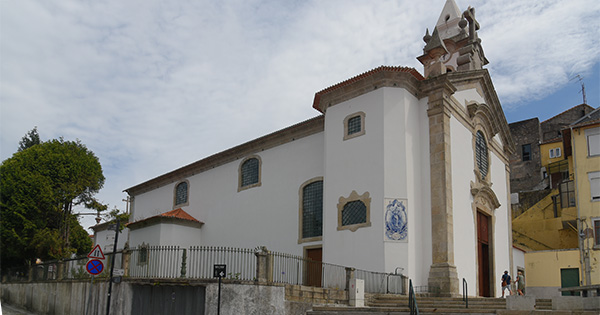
x=150 y=86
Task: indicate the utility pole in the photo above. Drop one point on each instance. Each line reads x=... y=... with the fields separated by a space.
x=112 y=266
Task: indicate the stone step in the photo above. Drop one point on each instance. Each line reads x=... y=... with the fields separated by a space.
x=543 y=304
x=324 y=310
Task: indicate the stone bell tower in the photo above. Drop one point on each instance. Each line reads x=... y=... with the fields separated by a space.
x=454 y=44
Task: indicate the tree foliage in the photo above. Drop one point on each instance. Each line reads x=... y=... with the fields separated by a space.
x=39 y=186
x=30 y=139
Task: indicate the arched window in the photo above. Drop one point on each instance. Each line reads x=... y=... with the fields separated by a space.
x=312 y=210
x=249 y=173
x=181 y=193
x=481 y=154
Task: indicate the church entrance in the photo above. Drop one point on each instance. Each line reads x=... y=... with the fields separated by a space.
x=483 y=254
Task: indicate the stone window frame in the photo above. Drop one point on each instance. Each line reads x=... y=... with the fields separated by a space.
x=187 y=197
x=487 y=157
x=362 y=131
x=143 y=254
x=354 y=196
x=259 y=182
x=302 y=239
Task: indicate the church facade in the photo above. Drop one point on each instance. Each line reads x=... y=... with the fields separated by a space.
x=400 y=171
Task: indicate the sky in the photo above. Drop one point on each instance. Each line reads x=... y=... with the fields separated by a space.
x=150 y=86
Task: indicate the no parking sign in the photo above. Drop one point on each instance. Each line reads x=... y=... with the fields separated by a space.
x=94 y=267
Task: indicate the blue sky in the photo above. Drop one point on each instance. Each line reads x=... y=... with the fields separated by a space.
x=150 y=86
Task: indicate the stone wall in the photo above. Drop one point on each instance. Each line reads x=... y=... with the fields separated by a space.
x=524 y=175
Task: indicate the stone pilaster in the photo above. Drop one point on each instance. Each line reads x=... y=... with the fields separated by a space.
x=442 y=273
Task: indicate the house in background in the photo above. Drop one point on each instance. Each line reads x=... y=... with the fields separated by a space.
x=556 y=218
x=399 y=170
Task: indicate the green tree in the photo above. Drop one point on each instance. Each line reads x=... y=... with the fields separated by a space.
x=39 y=186
x=30 y=139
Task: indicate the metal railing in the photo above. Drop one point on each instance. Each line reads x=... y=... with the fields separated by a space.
x=196 y=262
x=156 y=262
x=298 y=270
x=412 y=300
x=465 y=295
x=241 y=262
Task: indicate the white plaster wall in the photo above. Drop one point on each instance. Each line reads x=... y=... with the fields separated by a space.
x=354 y=164
x=518 y=261
x=467 y=96
x=464 y=220
x=265 y=215
x=179 y=235
x=502 y=233
x=106 y=239
x=406 y=176
x=149 y=235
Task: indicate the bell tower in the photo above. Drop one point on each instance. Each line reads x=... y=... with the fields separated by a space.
x=453 y=46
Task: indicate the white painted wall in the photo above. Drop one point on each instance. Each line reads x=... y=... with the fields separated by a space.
x=106 y=239
x=465 y=222
x=502 y=233
x=354 y=164
x=265 y=215
x=406 y=176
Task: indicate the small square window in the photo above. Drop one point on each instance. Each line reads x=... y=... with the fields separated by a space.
x=594 y=178
x=354 y=125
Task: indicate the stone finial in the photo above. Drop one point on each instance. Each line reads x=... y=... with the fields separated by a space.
x=427 y=37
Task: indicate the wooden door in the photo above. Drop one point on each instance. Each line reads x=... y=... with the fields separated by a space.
x=313 y=266
x=483 y=254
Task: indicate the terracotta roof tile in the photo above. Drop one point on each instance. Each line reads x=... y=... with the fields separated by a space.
x=412 y=71
x=180 y=214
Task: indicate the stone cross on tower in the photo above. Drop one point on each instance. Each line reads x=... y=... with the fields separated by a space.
x=450 y=47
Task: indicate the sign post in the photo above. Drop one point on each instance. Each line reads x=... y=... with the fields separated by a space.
x=112 y=265
x=94 y=267
x=219 y=271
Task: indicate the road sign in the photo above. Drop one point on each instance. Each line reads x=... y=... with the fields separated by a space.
x=94 y=267
x=219 y=271
x=118 y=272
x=96 y=253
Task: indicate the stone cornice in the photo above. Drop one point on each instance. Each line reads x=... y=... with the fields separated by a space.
x=402 y=77
x=297 y=131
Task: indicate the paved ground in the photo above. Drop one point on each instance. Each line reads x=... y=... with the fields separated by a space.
x=6 y=309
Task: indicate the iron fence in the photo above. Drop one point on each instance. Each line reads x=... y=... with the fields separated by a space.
x=163 y=262
x=241 y=262
x=196 y=262
x=297 y=270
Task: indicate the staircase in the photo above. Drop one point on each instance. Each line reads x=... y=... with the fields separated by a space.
x=385 y=304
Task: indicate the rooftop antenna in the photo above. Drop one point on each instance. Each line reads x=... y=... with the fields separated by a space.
x=582 y=87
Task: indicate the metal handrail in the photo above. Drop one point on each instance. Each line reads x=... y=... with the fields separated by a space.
x=412 y=300
x=465 y=295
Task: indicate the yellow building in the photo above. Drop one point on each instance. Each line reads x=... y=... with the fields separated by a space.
x=582 y=147
x=549 y=270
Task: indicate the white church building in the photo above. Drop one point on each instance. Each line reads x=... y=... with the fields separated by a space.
x=399 y=170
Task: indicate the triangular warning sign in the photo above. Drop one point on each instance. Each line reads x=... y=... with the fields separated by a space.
x=96 y=253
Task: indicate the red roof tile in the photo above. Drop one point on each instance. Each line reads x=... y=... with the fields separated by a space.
x=180 y=214
x=412 y=71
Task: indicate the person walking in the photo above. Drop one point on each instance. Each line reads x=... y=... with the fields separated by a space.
x=506 y=283
x=520 y=283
